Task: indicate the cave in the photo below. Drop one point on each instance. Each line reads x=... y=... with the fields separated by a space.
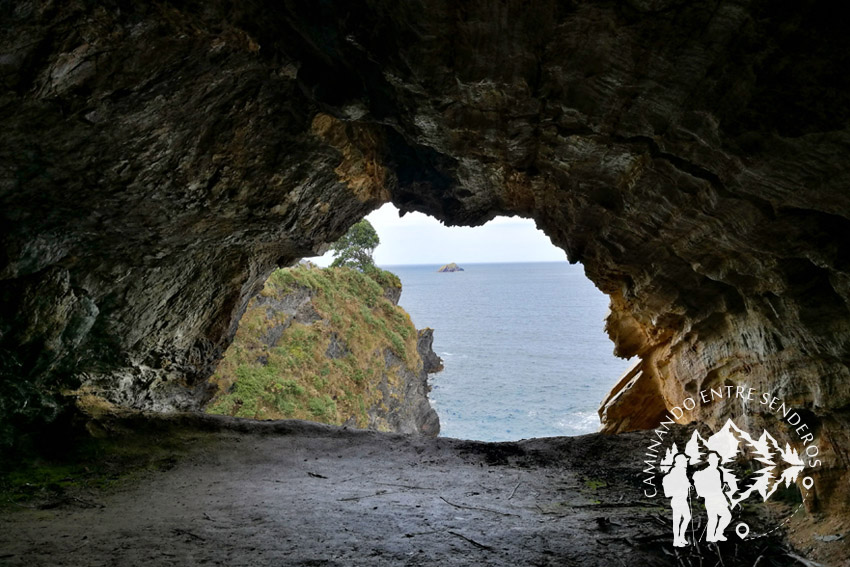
x=159 y=161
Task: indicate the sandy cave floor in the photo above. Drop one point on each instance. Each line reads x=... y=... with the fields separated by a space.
x=294 y=493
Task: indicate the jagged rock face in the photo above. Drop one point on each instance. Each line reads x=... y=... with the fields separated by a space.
x=329 y=345
x=159 y=161
x=155 y=172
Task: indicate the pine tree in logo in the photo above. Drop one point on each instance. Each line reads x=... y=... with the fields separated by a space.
x=694 y=449
x=666 y=463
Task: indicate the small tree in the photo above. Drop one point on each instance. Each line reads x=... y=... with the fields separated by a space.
x=354 y=250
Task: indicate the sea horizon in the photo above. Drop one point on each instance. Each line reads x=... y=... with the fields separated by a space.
x=461 y=263
x=523 y=345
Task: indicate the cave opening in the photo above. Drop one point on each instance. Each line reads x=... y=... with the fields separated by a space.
x=518 y=329
x=159 y=160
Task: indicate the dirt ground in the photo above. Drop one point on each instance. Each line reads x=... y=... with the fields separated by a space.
x=296 y=493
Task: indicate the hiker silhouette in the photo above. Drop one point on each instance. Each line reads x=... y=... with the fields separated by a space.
x=676 y=486
x=710 y=484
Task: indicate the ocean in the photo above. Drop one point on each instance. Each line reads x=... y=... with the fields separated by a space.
x=523 y=345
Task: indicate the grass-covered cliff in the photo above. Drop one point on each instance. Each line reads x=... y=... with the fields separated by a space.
x=329 y=345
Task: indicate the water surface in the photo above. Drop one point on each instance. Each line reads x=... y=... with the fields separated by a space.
x=523 y=346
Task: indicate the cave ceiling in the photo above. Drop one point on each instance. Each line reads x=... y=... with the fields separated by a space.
x=159 y=160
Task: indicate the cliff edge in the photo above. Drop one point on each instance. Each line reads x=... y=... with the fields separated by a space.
x=329 y=345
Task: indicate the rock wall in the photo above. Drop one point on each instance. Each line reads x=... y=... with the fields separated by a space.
x=333 y=346
x=159 y=161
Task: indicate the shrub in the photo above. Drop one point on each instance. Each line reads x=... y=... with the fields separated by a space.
x=323 y=407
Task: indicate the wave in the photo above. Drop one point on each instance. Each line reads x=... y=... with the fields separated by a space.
x=582 y=421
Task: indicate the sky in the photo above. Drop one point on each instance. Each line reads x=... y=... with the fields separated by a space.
x=419 y=239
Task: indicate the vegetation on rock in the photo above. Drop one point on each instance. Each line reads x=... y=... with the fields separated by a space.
x=319 y=344
x=115 y=448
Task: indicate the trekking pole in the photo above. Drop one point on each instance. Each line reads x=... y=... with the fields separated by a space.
x=691 y=510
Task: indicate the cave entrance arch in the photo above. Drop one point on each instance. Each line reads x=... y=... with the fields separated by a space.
x=519 y=330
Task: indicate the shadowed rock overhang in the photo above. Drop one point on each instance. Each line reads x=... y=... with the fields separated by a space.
x=158 y=161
